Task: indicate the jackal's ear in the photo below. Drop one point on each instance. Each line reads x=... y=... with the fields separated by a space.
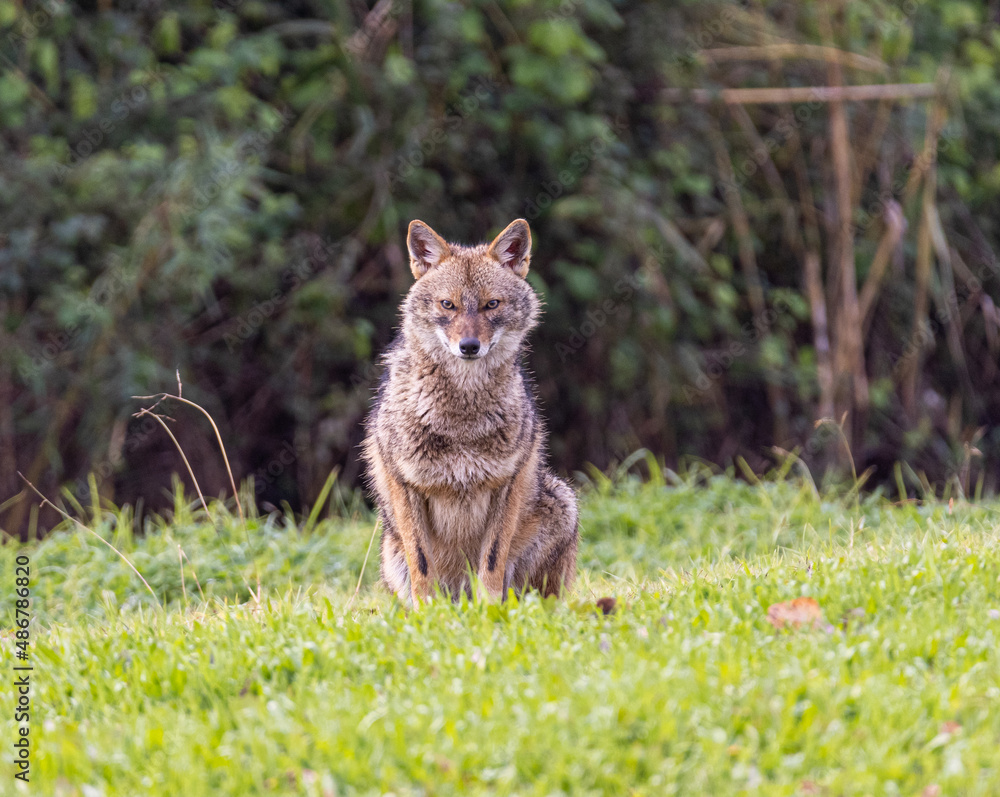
x=427 y=248
x=512 y=247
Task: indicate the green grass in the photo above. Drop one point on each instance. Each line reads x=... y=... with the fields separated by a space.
x=686 y=689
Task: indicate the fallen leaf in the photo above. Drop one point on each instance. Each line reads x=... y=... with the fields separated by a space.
x=808 y=787
x=950 y=727
x=795 y=613
x=607 y=605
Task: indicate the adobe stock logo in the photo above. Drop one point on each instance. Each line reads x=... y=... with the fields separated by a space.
x=97 y=306
x=415 y=155
x=719 y=363
x=269 y=474
x=579 y=161
x=125 y=104
x=598 y=317
x=292 y=278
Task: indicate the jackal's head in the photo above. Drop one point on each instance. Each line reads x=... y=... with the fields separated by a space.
x=470 y=302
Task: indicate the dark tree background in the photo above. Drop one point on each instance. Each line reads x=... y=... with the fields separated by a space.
x=223 y=189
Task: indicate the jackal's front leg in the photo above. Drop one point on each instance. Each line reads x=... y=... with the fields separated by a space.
x=410 y=515
x=506 y=514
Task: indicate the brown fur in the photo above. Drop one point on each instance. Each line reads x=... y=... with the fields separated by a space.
x=455 y=446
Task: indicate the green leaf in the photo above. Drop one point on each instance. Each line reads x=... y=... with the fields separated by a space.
x=83 y=96
x=46 y=56
x=167 y=34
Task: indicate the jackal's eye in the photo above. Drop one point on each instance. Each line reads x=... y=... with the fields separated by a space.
x=492 y=304
x=447 y=305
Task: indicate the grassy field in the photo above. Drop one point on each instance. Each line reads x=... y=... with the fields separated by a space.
x=685 y=689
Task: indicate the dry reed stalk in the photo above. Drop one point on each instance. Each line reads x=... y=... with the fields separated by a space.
x=740 y=222
x=891 y=235
x=867 y=157
x=935 y=123
x=791 y=50
x=811 y=272
x=673 y=236
x=812 y=278
x=771 y=174
x=831 y=94
x=911 y=365
x=748 y=263
x=947 y=302
x=926 y=166
x=848 y=353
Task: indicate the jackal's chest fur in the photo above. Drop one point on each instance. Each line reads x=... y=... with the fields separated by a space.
x=457 y=526
x=452 y=443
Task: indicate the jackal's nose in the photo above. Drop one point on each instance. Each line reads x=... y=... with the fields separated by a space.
x=469 y=346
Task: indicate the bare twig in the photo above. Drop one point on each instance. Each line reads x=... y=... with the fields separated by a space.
x=924 y=260
x=673 y=236
x=848 y=352
x=225 y=457
x=748 y=262
x=378 y=27
x=762 y=156
x=740 y=221
x=935 y=122
x=867 y=155
x=218 y=436
x=35 y=91
x=91 y=531
x=499 y=18
x=159 y=419
x=894 y=227
x=812 y=278
x=811 y=52
x=874 y=91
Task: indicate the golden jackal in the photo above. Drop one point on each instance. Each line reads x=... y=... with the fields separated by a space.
x=455 y=446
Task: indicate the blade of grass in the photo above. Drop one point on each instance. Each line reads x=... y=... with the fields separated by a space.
x=364 y=564
x=320 y=501
x=91 y=531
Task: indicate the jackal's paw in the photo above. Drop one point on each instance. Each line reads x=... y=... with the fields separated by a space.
x=485 y=593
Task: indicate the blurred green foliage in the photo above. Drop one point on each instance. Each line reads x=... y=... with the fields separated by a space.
x=222 y=190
